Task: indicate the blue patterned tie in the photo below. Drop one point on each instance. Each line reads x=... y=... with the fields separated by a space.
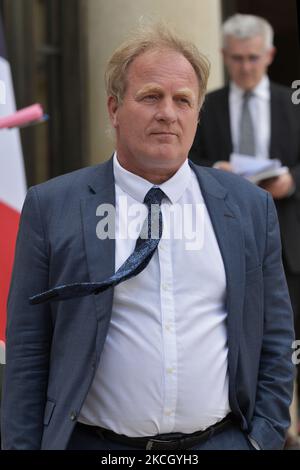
x=145 y=247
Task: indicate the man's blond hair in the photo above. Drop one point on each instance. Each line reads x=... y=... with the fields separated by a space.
x=153 y=37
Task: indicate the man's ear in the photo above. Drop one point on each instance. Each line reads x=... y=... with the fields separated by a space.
x=113 y=106
x=271 y=55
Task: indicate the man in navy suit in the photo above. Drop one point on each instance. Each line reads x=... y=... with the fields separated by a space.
x=195 y=351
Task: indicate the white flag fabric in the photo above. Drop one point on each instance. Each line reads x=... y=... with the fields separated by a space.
x=12 y=185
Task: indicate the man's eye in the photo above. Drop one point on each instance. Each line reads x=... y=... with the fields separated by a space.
x=150 y=98
x=184 y=100
x=237 y=58
x=254 y=58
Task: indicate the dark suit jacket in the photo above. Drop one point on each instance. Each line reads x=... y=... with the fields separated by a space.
x=53 y=349
x=213 y=143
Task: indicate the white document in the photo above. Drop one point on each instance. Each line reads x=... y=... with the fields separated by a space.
x=256 y=169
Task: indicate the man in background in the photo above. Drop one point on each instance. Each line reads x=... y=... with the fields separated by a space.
x=253 y=116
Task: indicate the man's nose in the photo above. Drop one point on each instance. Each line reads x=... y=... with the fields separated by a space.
x=166 y=111
x=246 y=65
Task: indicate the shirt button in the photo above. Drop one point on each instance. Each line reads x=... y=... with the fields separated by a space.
x=169 y=413
x=165 y=286
x=73 y=415
x=168 y=327
x=170 y=370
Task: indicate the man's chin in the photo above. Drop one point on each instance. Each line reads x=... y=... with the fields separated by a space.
x=165 y=159
x=247 y=85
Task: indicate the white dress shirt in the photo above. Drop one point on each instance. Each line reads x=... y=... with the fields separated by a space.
x=164 y=366
x=260 y=110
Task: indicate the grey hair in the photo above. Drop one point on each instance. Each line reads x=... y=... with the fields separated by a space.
x=247 y=26
x=155 y=36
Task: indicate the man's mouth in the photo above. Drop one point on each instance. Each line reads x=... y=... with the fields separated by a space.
x=163 y=133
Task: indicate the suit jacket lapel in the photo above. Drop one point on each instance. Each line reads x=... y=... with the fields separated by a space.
x=281 y=137
x=224 y=127
x=275 y=137
x=225 y=217
x=100 y=253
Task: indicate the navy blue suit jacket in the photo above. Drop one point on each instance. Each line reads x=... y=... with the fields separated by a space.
x=53 y=349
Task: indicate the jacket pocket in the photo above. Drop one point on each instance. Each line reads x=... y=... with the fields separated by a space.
x=49 y=408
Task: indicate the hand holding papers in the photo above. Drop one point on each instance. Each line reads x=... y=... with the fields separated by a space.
x=256 y=169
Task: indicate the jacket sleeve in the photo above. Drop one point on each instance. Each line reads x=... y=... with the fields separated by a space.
x=276 y=372
x=29 y=331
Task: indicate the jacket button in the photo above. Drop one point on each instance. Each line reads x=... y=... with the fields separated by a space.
x=73 y=415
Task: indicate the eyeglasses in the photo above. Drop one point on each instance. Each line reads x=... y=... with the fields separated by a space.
x=239 y=59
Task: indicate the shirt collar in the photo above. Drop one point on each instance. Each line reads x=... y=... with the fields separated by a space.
x=262 y=89
x=137 y=187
